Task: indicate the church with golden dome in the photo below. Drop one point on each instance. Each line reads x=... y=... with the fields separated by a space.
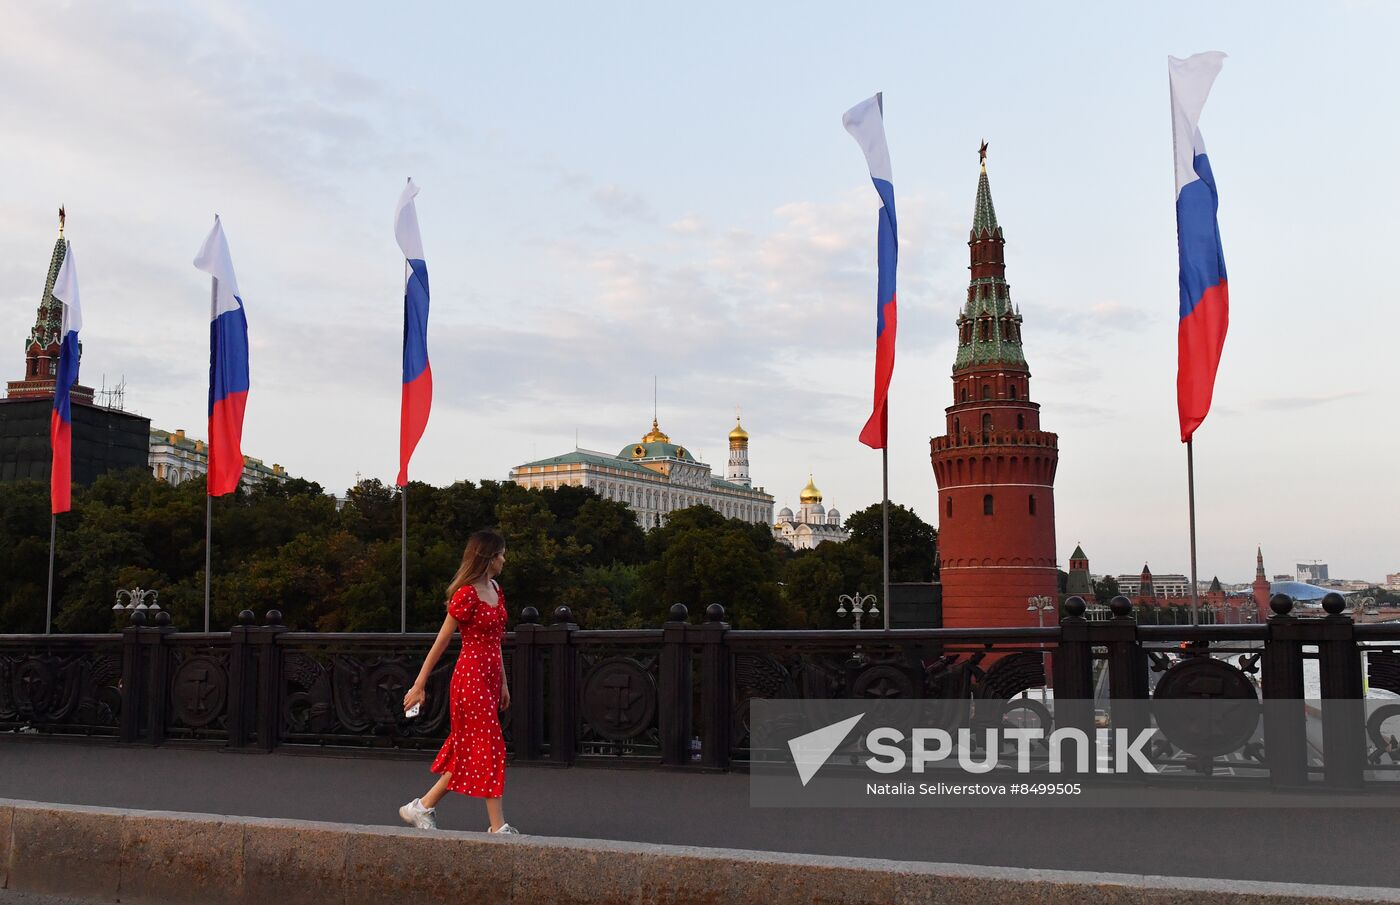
x=812 y=524
x=654 y=477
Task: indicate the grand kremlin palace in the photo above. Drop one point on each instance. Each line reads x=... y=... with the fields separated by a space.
x=655 y=477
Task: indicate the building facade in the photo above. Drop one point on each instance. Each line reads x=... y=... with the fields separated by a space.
x=175 y=459
x=994 y=466
x=654 y=477
x=1145 y=584
x=812 y=524
x=1312 y=571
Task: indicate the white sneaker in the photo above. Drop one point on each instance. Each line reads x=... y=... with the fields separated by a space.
x=505 y=830
x=414 y=814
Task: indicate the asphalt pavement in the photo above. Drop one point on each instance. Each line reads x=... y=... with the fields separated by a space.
x=1247 y=840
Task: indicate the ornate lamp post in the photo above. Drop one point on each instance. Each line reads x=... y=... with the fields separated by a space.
x=858 y=603
x=136 y=600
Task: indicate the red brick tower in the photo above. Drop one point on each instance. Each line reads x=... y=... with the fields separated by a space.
x=995 y=467
x=1261 y=587
x=41 y=349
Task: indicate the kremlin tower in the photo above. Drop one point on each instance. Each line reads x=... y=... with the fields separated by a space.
x=995 y=467
x=45 y=338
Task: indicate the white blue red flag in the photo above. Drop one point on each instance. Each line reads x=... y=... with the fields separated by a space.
x=865 y=121
x=228 y=365
x=417 y=375
x=1205 y=296
x=65 y=289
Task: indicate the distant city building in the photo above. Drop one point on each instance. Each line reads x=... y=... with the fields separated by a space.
x=175 y=459
x=105 y=438
x=1146 y=584
x=655 y=477
x=1312 y=571
x=1284 y=577
x=811 y=524
x=1392 y=581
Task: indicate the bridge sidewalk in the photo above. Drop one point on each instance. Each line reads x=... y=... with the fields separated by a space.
x=1299 y=845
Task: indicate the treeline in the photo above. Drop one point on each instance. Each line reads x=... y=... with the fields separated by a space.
x=286 y=546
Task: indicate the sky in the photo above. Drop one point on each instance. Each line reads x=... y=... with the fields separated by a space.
x=614 y=192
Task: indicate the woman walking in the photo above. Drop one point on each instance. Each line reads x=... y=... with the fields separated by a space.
x=473 y=759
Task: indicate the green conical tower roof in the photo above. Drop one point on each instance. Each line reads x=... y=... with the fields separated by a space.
x=48 y=323
x=1078 y=553
x=984 y=217
x=989 y=328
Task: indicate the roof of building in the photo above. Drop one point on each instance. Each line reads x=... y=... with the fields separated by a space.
x=1078 y=553
x=588 y=457
x=738 y=433
x=810 y=493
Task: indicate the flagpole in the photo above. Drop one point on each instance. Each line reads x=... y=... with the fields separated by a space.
x=48 y=607
x=403 y=526
x=403 y=566
x=1191 y=497
x=208 y=474
x=885 y=515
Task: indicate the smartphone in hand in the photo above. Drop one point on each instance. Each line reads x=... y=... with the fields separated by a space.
x=413 y=711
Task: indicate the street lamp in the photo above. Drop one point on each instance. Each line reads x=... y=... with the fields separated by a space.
x=857 y=602
x=136 y=600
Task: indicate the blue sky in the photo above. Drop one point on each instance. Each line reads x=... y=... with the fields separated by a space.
x=616 y=191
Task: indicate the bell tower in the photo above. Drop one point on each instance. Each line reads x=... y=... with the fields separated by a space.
x=995 y=467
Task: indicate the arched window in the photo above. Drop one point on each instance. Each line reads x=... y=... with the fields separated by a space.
x=987 y=423
x=957 y=428
x=987 y=504
x=948 y=507
x=986 y=391
x=1020 y=422
x=964 y=394
x=1032 y=504
x=1011 y=391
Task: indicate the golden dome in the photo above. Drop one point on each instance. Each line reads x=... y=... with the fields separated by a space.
x=655 y=435
x=810 y=493
x=738 y=433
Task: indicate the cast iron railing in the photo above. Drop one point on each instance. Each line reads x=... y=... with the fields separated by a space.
x=680 y=695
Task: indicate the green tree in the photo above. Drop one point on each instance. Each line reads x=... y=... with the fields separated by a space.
x=913 y=542
x=1105 y=589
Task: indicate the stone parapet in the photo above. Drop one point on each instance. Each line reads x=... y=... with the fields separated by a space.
x=112 y=855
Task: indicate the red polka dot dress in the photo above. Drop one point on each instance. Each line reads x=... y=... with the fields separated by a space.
x=475 y=752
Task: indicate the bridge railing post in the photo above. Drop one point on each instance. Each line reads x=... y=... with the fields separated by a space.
x=563 y=686
x=674 y=710
x=269 y=680
x=242 y=683
x=527 y=688
x=716 y=693
x=135 y=677
x=1343 y=707
x=1127 y=671
x=1073 y=665
x=1285 y=735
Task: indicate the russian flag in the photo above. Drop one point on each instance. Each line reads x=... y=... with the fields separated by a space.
x=865 y=121
x=1205 y=295
x=417 y=375
x=228 y=364
x=65 y=289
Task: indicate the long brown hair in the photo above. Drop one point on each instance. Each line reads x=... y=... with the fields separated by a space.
x=482 y=547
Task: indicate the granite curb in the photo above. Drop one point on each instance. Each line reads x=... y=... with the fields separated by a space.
x=167 y=857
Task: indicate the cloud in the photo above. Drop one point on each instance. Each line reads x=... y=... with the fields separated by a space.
x=1292 y=403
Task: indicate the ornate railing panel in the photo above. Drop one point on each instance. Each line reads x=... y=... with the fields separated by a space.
x=61 y=684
